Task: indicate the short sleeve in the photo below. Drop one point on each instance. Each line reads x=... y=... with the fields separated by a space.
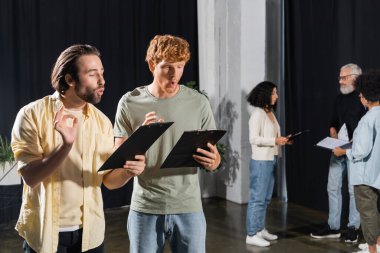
x=25 y=142
x=122 y=126
x=208 y=121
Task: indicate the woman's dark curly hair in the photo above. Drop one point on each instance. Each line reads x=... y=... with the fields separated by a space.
x=368 y=84
x=261 y=95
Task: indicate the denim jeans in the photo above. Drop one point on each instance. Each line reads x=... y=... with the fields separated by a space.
x=338 y=169
x=69 y=242
x=261 y=183
x=186 y=232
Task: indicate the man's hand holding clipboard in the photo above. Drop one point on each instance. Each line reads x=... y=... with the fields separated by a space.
x=209 y=159
x=194 y=149
x=137 y=144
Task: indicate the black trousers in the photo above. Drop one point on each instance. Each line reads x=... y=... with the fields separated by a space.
x=69 y=242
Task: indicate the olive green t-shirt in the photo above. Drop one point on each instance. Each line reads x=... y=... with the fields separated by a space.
x=171 y=190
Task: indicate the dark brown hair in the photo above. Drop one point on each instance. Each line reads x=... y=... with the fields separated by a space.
x=67 y=64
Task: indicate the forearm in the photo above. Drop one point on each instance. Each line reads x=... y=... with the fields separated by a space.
x=36 y=171
x=263 y=141
x=116 y=178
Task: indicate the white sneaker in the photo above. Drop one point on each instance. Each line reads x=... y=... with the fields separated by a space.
x=364 y=247
x=267 y=236
x=256 y=240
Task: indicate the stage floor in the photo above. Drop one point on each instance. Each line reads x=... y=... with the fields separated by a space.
x=225 y=230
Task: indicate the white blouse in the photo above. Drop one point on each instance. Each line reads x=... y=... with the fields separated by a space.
x=262 y=135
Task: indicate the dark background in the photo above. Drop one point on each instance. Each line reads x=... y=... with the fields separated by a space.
x=34 y=33
x=321 y=36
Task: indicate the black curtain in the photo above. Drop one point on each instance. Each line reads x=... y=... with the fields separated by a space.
x=33 y=33
x=320 y=37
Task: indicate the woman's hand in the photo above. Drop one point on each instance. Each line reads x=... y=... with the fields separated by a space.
x=339 y=151
x=290 y=141
x=281 y=140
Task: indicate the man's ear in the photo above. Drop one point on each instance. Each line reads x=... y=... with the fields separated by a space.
x=151 y=65
x=69 y=80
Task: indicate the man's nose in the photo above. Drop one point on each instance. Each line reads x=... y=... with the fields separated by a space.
x=171 y=72
x=102 y=81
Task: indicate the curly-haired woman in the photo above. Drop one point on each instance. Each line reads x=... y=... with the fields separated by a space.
x=364 y=158
x=265 y=138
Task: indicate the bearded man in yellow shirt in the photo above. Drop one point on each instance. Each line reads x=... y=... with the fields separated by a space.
x=59 y=142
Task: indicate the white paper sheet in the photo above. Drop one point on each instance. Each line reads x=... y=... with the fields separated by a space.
x=343 y=133
x=9 y=174
x=331 y=143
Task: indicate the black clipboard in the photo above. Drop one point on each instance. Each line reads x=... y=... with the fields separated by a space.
x=136 y=144
x=182 y=153
x=293 y=136
x=347 y=146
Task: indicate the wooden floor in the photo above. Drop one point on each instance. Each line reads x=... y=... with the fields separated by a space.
x=225 y=230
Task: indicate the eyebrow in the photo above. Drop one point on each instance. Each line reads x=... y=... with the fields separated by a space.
x=172 y=63
x=91 y=70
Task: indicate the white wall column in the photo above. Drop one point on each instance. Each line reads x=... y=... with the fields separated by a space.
x=231 y=61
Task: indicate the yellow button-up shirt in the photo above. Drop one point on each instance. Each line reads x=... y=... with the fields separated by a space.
x=33 y=138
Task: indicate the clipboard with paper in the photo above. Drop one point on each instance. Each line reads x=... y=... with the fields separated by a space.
x=182 y=153
x=137 y=144
x=342 y=141
x=296 y=135
x=331 y=143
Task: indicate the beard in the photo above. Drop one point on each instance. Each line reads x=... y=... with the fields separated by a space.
x=347 y=89
x=87 y=94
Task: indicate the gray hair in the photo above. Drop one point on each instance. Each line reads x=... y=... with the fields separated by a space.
x=355 y=69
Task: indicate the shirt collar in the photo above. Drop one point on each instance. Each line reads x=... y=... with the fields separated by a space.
x=375 y=108
x=58 y=104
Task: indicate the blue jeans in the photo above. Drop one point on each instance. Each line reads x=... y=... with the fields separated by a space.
x=185 y=232
x=338 y=169
x=261 y=183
